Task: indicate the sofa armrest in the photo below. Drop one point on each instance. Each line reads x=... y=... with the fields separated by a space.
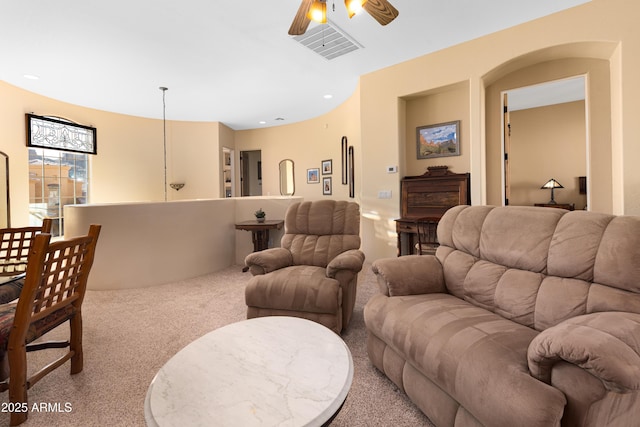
x=268 y=260
x=351 y=260
x=409 y=275
x=606 y=344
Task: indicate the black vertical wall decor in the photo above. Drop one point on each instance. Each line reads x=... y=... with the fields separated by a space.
x=352 y=188
x=344 y=160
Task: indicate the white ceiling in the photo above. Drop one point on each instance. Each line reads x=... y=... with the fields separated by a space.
x=549 y=93
x=230 y=61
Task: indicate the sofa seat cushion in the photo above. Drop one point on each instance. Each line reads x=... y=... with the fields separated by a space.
x=295 y=288
x=477 y=357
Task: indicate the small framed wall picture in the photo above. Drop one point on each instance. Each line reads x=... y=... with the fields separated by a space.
x=326 y=185
x=313 y=176
x=327 y=167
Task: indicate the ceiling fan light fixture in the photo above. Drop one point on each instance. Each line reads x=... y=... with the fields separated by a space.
x=354 y=6
x=318 y=12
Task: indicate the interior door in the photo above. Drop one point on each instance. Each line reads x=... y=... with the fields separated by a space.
x=251 y=172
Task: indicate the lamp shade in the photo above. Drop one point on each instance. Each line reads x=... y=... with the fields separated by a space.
x=318 y=12
x=354 y=6
x=552 y=183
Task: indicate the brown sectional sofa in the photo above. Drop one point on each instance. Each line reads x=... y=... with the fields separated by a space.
x=525 y=316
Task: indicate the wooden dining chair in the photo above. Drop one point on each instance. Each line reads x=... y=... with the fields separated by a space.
x=15 y=244
x=427 y=229
x=54 y=287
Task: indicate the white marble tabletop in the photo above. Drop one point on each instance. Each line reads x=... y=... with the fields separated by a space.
x=267 y=371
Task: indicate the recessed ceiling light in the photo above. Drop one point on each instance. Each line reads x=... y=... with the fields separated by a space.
x=328 y=96
x=31 y=77
x=262 y=122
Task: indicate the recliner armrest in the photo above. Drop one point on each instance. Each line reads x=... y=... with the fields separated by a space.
x=606 y=344
x=409 y=275
x=268 y=260
x=351 y=260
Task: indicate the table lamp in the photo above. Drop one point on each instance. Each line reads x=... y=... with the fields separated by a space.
x=552 y=183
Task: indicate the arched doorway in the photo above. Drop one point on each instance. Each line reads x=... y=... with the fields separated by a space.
x=590 y=59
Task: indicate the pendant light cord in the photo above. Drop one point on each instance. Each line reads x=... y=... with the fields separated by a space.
x=164 y=137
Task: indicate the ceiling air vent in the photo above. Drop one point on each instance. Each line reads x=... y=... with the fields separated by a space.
x=328 y=41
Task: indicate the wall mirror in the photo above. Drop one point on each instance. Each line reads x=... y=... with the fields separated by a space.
x=4 y=191
x=287 y=180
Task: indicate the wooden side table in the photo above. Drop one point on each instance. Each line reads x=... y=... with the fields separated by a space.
x=260 y=231
x=407 y=235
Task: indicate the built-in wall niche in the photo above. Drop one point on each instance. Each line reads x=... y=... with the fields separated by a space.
x=228 y=187
x=438 y=105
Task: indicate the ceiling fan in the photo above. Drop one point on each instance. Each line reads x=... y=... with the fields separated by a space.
x=316 y=10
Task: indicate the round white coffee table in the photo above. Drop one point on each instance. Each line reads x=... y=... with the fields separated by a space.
x=283 y=371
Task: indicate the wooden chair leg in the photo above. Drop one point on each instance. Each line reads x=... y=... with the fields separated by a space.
x=75 y=343
x=18 y=418
x=18 y=384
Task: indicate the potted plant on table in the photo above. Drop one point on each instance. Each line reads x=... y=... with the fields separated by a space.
x=260 y=215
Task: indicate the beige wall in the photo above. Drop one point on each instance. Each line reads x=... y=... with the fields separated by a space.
x=308 y=143
x=600 y=39
x=192 y=160
x=578 y=33
x=129 y=165
x=548 y=142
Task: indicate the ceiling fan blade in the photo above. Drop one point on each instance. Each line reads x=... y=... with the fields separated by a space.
x=301 y=22
x=381 y=10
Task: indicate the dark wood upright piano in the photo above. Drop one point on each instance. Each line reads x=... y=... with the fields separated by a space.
x=426 y=198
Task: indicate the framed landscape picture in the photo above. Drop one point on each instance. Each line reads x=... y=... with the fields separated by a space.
x=441 y=140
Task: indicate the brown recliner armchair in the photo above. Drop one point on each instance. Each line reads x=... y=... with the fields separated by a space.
x=314 y=273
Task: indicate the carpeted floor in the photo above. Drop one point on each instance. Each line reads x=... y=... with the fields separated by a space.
x=130 y=334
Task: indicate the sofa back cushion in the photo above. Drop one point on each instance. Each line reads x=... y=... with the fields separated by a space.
x=541 y=266
x=316 y=232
